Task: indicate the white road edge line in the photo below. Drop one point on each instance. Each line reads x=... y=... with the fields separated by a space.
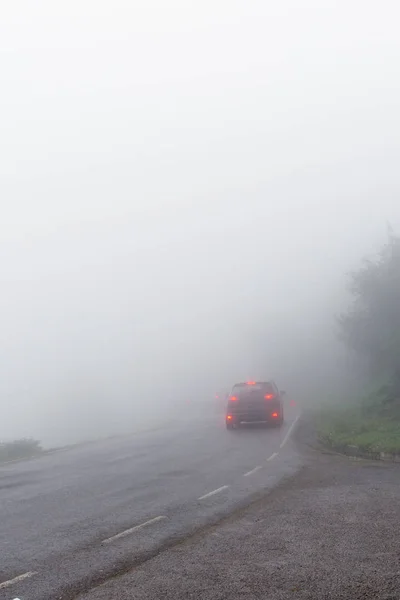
x=272 y=456
x=252 y=471
x=133 y=529
x=17 y=579
x=217 y=491
x=285 y=439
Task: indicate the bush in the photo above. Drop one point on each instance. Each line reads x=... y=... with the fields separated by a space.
x=22 y=448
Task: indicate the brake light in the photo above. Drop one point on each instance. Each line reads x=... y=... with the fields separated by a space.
x=251 y=383
x=229 y=418
x=233 y=398
x=275 y=415
x=269 y=396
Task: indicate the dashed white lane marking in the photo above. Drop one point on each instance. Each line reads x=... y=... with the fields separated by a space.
x=217 y=491
x=272 y=456
x=132 y=530
x=285 y=439
x=252 y=471
x=6 y=584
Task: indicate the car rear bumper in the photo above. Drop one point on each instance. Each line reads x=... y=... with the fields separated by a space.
x=254 y=417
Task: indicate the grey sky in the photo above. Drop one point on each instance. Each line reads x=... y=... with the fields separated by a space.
x=155 y=155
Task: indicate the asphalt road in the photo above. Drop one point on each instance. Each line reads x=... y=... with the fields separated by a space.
x=330 y=532
x=70 y=521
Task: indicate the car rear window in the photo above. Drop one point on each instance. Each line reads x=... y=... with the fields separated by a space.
x=243 y=389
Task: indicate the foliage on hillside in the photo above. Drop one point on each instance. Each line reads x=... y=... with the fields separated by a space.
x=371 y=329
x=19 y=449
x=371 y=326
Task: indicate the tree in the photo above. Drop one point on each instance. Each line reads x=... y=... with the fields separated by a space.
x=371 y=326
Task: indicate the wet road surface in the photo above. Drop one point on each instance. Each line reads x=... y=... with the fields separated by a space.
x=71 y=520
x=330 y=532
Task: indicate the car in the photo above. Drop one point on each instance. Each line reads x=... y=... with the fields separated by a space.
x=255 y=402
x=221 y=398
x=222 y=395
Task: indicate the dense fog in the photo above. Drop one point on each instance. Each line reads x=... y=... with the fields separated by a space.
x=183 y=189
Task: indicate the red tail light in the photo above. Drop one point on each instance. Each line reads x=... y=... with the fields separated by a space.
x=292 y=403
x=275 y=415
x=251 y=383
x=233 y=398
x=229 y=418
x=269 y=396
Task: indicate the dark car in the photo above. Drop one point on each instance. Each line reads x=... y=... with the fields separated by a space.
x=254 y=401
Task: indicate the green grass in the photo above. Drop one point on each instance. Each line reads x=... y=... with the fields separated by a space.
x=342 y=427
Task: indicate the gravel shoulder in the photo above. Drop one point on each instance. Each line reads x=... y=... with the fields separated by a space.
x=331 y=531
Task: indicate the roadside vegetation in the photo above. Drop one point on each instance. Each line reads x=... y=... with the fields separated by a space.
x=371 y=330
x=24 y=448
x=341 y=428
